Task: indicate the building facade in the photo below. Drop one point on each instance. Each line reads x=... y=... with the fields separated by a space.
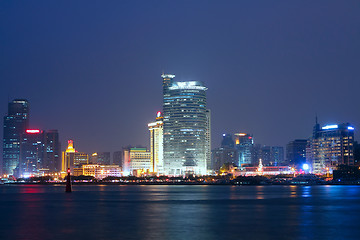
x=331 y=146
x=101 y=171
x=157 y=144
x=136 y=159
x=32 y=152
x=52 y=153
x=277 y=156
x=15 y=124
x=102 y=158
x=296 y=153
x=186 y=127
x=244 y=145
x=73 y=159
x=117 y=158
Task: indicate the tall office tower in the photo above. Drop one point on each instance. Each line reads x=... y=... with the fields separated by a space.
x=208 y=140
x=296 y=152
x=332 y=145
x=185 y=127
x=244 y=144
x=32 y=152
x=72 y=158
x=277 y=156
x=15 y=123
x=117 y=158
x=156 y=144
x=51 y=160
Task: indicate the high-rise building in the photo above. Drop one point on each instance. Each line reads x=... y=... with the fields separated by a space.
x=296 y=152
x=15 y=124
x=244 y=144
x=208 y=140
x=156 y=144
x=39 y=153
x=32 y=152
x=73 y=159
x=51 y=159
x=331 y=146
x=186 y=127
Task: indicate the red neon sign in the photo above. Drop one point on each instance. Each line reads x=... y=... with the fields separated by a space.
x=32 y=131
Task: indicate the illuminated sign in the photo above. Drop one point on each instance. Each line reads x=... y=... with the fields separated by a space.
x=351 y=128
x=158 y=114
x=167 y=76
x=327 y=127
x=32 y=131
x=187 y=85
x=240 y=134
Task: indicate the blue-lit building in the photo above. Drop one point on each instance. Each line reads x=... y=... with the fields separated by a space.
x=15 y=124
x=296 y=153
x=186 y=127
x=331 y=146
x=244 y=144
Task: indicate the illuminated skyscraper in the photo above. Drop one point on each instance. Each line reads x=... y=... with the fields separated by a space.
x=32 y=152
x=244 y=144
x=208 y=140
x=15 y=124
x=331 y=146
x=186 y=127
x=156 y=144
x=72 y=158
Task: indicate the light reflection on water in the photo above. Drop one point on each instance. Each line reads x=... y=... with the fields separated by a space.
x=179 y=212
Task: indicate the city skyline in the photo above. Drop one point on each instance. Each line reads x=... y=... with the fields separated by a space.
x=261 y=80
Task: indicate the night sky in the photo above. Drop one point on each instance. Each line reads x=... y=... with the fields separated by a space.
x=91 y=69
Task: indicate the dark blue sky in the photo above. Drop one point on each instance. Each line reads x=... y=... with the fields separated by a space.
x=91 y=69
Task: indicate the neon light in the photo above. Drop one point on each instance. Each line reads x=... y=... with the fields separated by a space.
x=167 y=75
x=330 y=127
x=158 y=114
x=187 y=85
x=32 y=131
x=351 y=128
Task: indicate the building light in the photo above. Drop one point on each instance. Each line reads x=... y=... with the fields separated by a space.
x=305 y=166
x=32 y=131
x=351 y=128
x=327 y=127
